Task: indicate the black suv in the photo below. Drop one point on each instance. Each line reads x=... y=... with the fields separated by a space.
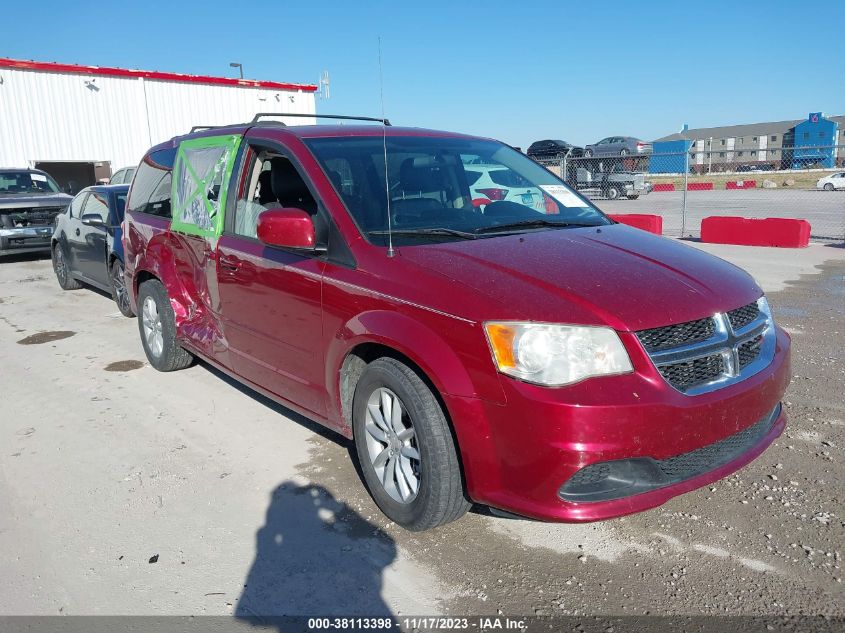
x=30 y=200
x=553 y=149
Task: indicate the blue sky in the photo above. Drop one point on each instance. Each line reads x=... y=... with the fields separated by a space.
x=517 y=71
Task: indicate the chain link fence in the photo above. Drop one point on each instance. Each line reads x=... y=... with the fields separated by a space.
x=684 y=187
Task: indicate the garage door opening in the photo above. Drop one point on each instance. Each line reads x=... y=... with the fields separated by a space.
x=74 y=176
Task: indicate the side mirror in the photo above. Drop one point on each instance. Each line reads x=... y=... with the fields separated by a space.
x=93 y=219
x=287 y=227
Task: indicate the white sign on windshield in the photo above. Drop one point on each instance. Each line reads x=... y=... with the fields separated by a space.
x=40 y=177
x=563 y=195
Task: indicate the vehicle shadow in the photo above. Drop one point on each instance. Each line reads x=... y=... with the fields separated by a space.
x=311 y=425
x=314 y=556
x=14 y=258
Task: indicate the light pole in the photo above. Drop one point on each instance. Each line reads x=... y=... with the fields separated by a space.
x=239 y=66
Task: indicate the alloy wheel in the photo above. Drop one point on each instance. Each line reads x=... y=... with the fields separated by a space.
x=119 y=285
x=60 y=265
x=151 y=321
x=392 y=445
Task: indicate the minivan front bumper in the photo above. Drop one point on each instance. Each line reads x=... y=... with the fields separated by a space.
x=636 y=439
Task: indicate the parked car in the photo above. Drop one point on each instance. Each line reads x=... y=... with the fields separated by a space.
x=122 y=176
x=87 y=245
x=831 y=182
x=488 y=183
x=549 y=363
x=553 y=149
x=30 y=200
x=618 y=146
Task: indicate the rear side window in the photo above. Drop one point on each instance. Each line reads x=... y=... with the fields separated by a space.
x=507 y=178
x=200 y=181
x=472 y=176
x=150 y=192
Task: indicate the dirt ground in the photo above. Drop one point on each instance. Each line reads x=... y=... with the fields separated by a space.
x=127 y=491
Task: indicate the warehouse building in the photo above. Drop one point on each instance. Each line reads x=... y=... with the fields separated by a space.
x=816 y=140
x=82 y=123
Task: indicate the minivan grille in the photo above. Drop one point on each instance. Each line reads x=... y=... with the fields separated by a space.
x=702 y=355
x=741 y=317
x=687 y=374
x=677 y=335
x=749 y=351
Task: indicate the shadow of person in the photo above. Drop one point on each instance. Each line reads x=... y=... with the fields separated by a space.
x=315 y=556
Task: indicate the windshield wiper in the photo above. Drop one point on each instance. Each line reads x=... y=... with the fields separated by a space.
x=435 y=232
x=523 y=224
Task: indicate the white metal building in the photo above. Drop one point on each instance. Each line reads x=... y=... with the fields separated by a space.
x=69 y=119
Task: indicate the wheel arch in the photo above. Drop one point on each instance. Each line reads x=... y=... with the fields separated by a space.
x=387 y=333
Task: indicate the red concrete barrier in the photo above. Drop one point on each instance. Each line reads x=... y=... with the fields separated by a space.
x=644 y=221
x=699 y=186
x=741 y=184
x=783 y=232
x=663 y=186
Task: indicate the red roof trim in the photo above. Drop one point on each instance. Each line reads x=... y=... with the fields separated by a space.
x=106 y=71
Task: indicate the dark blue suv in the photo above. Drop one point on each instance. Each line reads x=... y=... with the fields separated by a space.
x=87 y=243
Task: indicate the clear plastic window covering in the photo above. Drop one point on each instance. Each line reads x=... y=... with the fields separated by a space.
x=201 y=177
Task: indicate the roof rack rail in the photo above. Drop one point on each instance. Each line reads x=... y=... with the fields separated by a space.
x=257 y=117
x=197 y=128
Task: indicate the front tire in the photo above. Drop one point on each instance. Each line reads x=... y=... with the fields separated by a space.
x=828 y=186
x=62 y=269
x=118 y=289
x=405 y=448
x=157 y=326
x=588 y=153
x=613 y=193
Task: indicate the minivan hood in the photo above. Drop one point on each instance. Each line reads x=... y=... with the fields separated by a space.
x=612 y=275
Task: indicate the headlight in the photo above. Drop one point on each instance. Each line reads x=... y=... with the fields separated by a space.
x=556 y=355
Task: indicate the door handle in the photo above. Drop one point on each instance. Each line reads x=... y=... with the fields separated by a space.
x=77 y=232
x=230 y=263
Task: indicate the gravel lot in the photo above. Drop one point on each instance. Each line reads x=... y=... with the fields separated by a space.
x=127 y=491
x=825 y=210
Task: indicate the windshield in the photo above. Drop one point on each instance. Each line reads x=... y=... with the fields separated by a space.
x=26 y=182
x=471 y=188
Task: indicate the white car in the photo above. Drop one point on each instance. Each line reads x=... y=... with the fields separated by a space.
x=834 y=181
x=497 y=182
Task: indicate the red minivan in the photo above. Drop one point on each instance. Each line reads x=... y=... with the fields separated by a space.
x=519 y=351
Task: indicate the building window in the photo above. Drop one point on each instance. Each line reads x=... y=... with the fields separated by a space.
x=722 y=154
x=821 y=134
x=774 y=151
x=723 y=141
x=754 y=153
x=740 y=140
x=774 y=137
x=740 y=153
x=806 y=135
x=754 y=139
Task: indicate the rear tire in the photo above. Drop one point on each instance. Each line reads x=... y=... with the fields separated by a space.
x=157 y=326
x=118 y=289
x=62 y=269
x=588 y=153
x=623 y=152
x=828 y=186
x=419 y=483
x=613 y=193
